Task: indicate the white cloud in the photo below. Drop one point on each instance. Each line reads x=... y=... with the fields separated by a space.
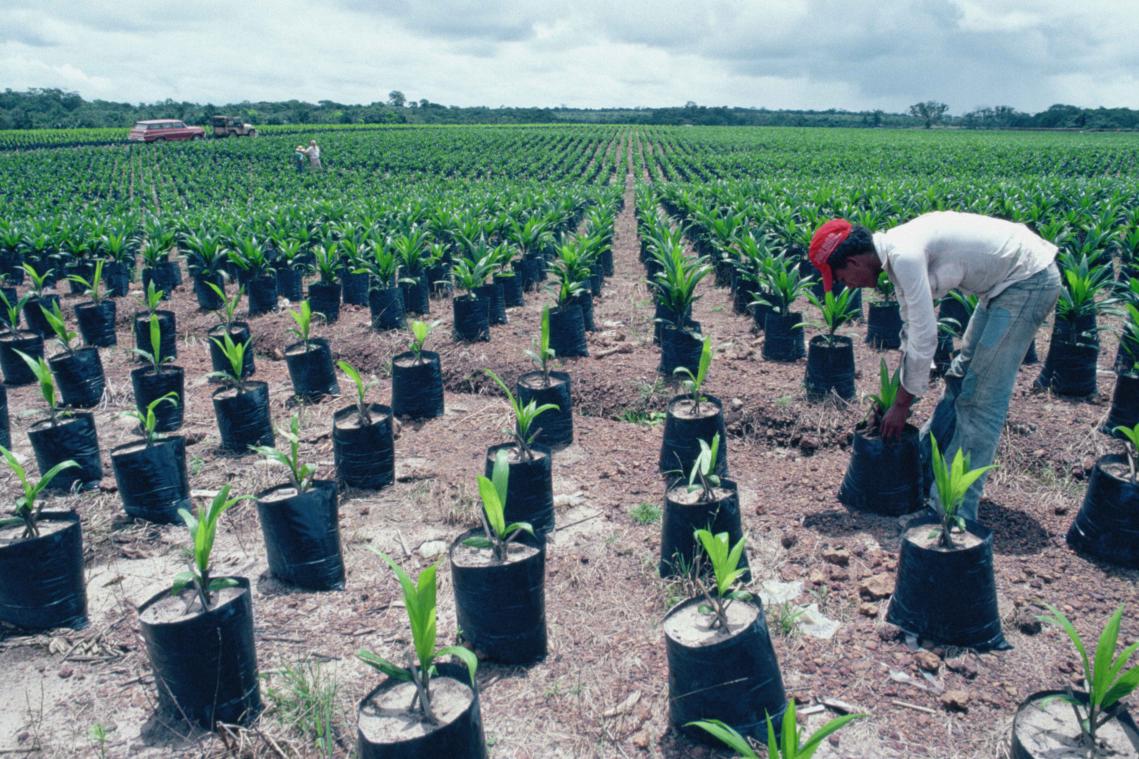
x=776 y=54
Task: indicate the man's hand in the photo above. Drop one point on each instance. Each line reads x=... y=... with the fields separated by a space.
x=894 y=420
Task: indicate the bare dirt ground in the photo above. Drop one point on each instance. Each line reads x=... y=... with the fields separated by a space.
x=602 y=691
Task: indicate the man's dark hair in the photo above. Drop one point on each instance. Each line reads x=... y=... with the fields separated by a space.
x=857 y=242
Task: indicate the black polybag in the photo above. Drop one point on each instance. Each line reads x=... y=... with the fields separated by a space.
x=72 y=437
x=884 y=477
x=149 y=386
x=354 y=288
x=16 y=371
x=302 y=536
x=567 y=331
x=783 y=336
x=364 y=455
x=530 y=487
x=79 y=377
x=680 y=442
x=417 y=389
x=311 y=370
x=153 y=483
x=680 y=348
x=205 y=666
x=97 y=323
x=830 y=367
x=324 y=299
x=678 y=544
x=262 y=294
x=1124 y=411
x=386 y=308
x=884 y=326
x=948 y=597
x=243 y=418
x=41 y=579
x=501 y=608
x=1107 y=525
x=555 y=426
x=471 y=319
x=167 y=329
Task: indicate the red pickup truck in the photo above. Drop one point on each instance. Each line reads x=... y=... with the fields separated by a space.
x=154 y=130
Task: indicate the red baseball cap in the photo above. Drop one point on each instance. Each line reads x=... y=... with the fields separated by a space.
x=826 y=238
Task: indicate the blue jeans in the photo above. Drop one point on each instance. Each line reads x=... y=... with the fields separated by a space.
x=979 y=384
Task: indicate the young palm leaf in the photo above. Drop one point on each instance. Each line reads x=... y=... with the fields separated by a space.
x=203 y=529
x=234 y=354
x=148 y=422
x=300 y=475
x=694 y=383
x=27 y=511
x=542 y=354
x=524 y=417
x=496 y=532
x=953 y=481
x=42 y=371
x=725 y=561
x=361 y=391
x=1130 y=447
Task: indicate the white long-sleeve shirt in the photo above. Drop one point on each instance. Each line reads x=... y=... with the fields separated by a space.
x=937 y=252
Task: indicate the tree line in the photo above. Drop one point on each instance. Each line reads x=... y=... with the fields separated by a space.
x=43 y=108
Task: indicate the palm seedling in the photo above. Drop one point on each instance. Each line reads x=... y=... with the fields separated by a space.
x=361 y=386
x=205 y=255
x=694 y=383
x=541 y=354
x=836 y=311
x=250 y=255
x=327 y=258
x=702 y=476
x=203 y=528
x=1107 y=676
x=885 y=288
x=497 y=533
x=37 y=283
x=524 y=417
x=93 y=288
x=419 y=331
x=1082 y=283
x=384 y=266
x=11 y=313
x=64 y=336
x=154 y=356
x=419 y=602
x=787 y=744
x=227 y=314
x=782 y=284
x=27 y=510
x=727 y=573
x=152 y=298
x=952 y=481
x=470 y=275
x=888 y=387
x=300 y=475
x=234 y=353
x=148 y=421
x=302 y=318
x=1130 y=448
x=39 y=367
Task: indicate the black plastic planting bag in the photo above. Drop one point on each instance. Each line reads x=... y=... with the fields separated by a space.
x=949 y=597
x=41 y=579
x=567 y=331
x=290 y=284
x=324 y=298
x=883 y=477
x=530 y=488
x=34 y=316
x=262 y=294
x=207 y=299
x=117 y=277
x=501 y=608
x=884 y=326
x=310 y=369
x=783 y=338
x=5 y=425
x=461 y=738
x=1070 y=364
x=607 y=262
x=97 y=323
x=679 y=347
x=511 y=289
x=678 y=544
x=471 y=319
x=417 y=388
x=1124 y=404
x=152 y=479
x=364 y=454
x=417 y=295
x=354 y=288
x=302 y=535
x=495 y=299
x=555 y=427
x=680 y=444
x=167 y=329
x=743 y=293
x=243 y=418
x=72 y=437
x=239 y=333
x=386 y=308
x=664 y=317
x=1107 y=526
x=830 y=367
x=736 y=680
x=166 y=275
x=79 y=377
x=148 y=386
x=16 y=371
x=585 y=300
x=205 y=666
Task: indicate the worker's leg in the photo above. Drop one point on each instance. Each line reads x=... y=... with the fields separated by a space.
x=995 y=345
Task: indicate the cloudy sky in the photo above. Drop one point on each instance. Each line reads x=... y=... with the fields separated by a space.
x=852 y=54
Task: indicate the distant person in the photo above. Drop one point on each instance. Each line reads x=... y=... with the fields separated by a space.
x=312 y=152
x=300 y=158
x=1013 y=273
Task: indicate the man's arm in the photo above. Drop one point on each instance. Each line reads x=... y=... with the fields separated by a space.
x=916 y=300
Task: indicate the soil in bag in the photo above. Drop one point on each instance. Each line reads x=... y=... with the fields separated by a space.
x=731 y=674
x=685 y=425
x=71 y=437
x=16 y=371
x=41 y=578
x=243 y=417
x=149 y=386
x=1107 y=525
x=883 y=477
x=388 y=725
x=364 y=453
x=947 y=596
x=302 y=535
x=79 y=377
x=310 y=369
x=167 y=330
x=530 y=487
x=501 y=607
x=152 y=479
x=684 y=513
x=1045 y=727
x=205 y=663
x=97 y=323
x=417 y=385
x=555 y=427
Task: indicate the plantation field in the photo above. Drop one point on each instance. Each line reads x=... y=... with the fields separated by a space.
x=825 y=571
